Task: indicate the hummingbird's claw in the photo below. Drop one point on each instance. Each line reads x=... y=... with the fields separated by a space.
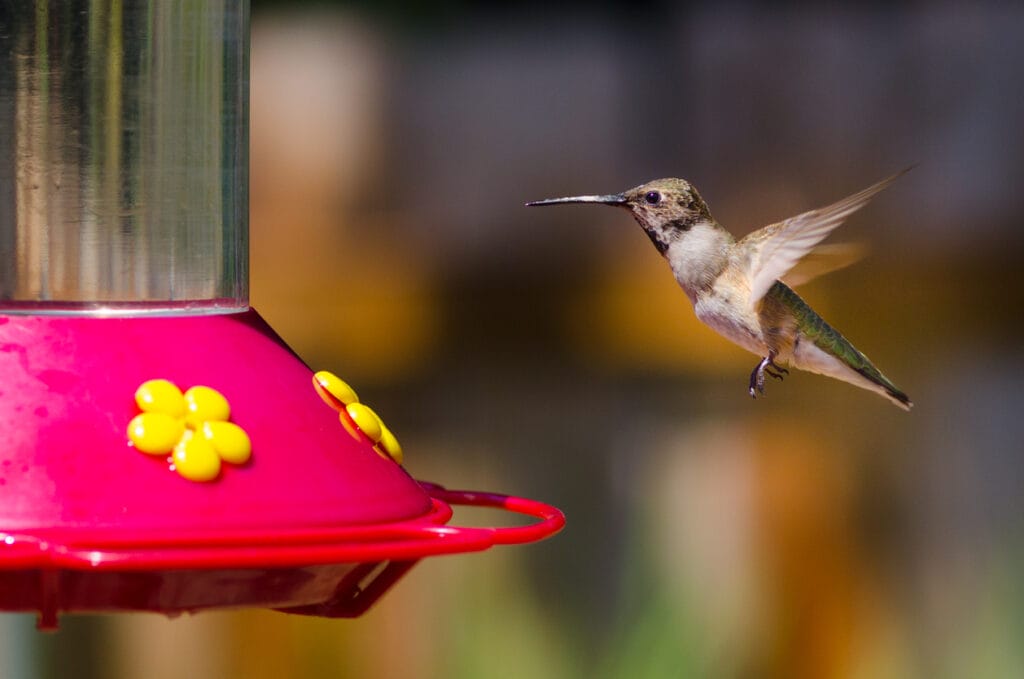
x=757 y=376
x=779 y=373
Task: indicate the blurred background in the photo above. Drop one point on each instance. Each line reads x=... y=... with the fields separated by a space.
x=818 y=532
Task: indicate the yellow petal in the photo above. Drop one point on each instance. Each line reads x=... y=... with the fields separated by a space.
x=390 y=445
x=160 y=396
x=195 y=459
x=366 y=420
x=155 y=433
x=229 y=440
x=203 y=404
x=333 y=389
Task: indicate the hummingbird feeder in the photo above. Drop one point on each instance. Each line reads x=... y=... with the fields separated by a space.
x=166 y=451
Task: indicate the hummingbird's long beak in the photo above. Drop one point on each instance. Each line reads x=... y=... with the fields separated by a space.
x=614 y=199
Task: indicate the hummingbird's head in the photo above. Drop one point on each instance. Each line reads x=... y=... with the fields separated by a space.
x=665 y=208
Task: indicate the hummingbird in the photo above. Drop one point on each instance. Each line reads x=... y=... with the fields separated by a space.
x=736 y=287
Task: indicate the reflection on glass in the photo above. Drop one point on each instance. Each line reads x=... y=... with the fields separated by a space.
x=123 y=156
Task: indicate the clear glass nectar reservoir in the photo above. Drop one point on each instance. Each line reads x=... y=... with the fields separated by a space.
x=124 y=156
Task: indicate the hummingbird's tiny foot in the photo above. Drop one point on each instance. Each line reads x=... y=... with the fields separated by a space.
x=776 y=375
x=772 y=363
x=757 y=377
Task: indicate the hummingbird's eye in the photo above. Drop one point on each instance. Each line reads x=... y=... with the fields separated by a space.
x=652 y=197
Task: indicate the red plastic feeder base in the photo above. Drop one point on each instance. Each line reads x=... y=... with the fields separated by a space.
x=316 y=522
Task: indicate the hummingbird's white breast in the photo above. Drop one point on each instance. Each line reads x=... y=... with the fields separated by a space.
x=726 y=310
x=699 y=256
x=710 y=271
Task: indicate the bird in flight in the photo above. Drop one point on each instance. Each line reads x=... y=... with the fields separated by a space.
x=737 y=288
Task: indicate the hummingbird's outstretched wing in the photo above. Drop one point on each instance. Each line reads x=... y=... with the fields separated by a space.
x=778 y=247
x=823 y=259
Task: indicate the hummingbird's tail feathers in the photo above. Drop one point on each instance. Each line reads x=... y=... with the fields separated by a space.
x=886 y=387
x=845 y=363
x=900 y=399
x=850 y=365
x=820 y=348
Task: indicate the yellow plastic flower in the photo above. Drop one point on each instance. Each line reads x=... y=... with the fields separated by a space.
x=355 y=416
x=191 y=428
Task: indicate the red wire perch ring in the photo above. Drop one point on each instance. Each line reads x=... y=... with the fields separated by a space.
x=551 y=521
